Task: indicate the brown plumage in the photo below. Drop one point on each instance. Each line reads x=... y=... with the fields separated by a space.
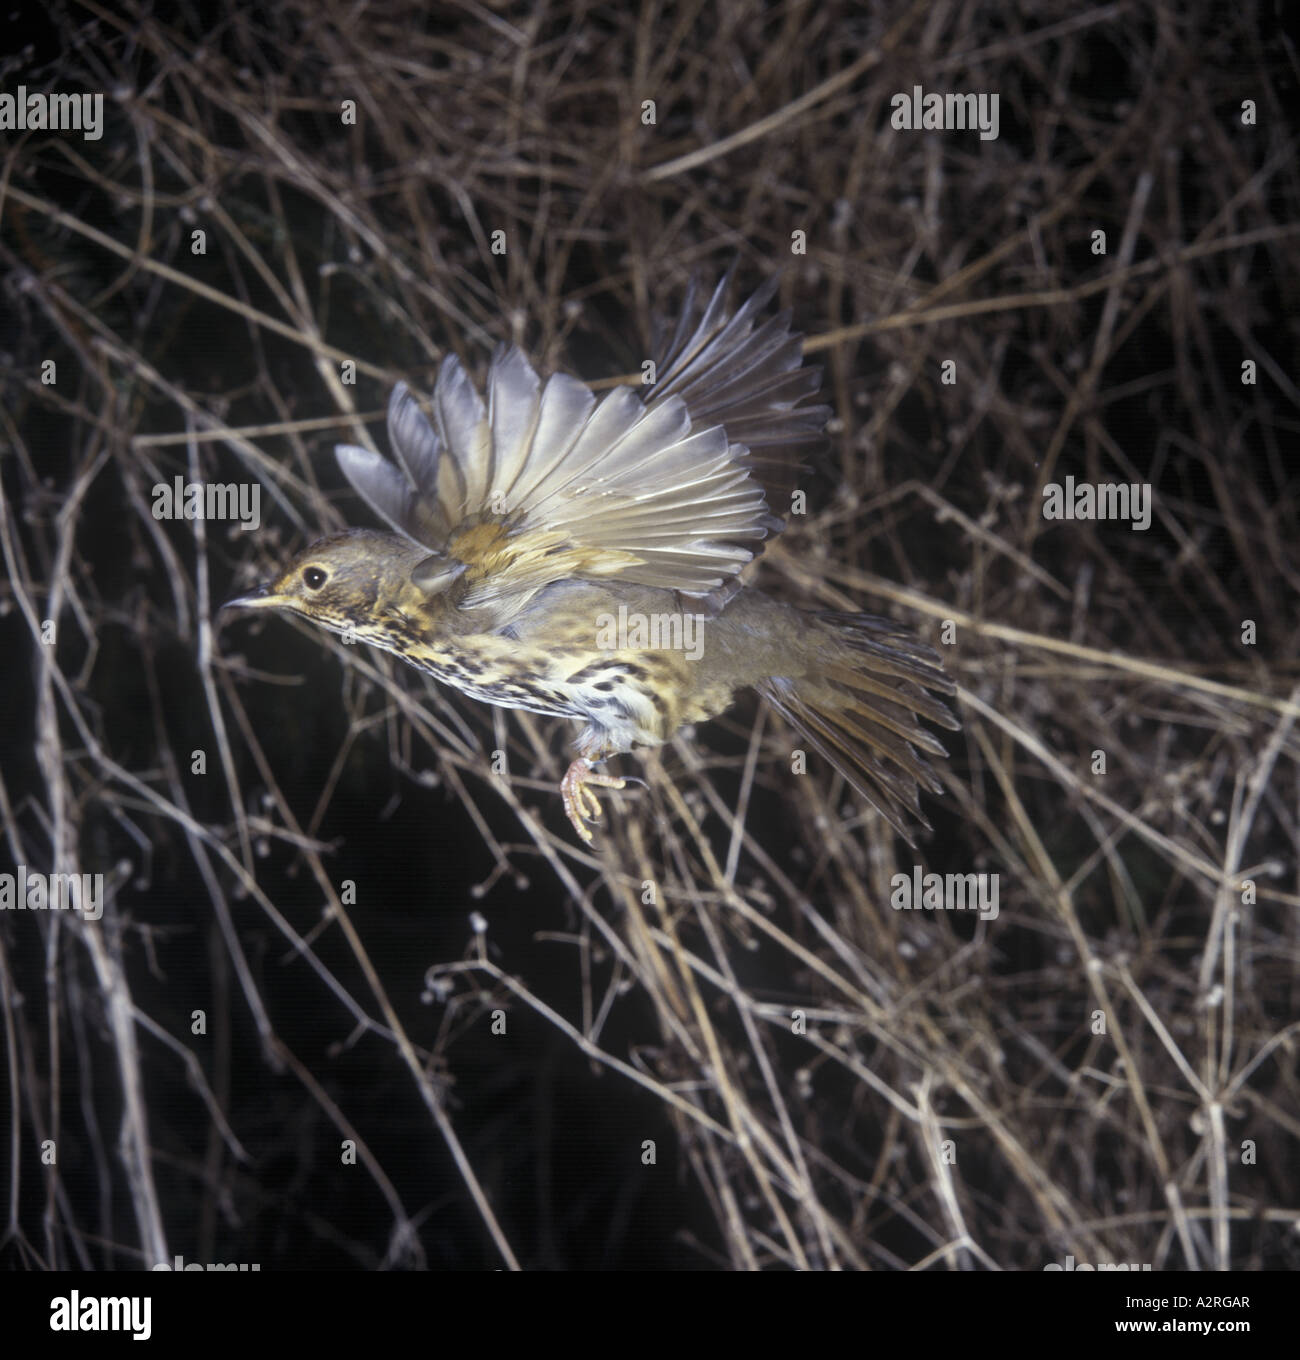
x=581 y=557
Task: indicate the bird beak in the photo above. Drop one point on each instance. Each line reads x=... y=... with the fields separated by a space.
x=261 y=598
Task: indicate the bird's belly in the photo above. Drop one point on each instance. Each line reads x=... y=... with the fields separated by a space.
x=637 y=698
x=535 y=694
x=707 y=702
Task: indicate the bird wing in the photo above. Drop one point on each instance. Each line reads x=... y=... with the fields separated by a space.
x=544 y=482
x=745 y=376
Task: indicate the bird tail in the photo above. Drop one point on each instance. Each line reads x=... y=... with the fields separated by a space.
x=858 y=705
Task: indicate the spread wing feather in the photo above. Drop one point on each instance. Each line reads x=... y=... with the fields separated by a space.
x=544 y=481
x=745 y=376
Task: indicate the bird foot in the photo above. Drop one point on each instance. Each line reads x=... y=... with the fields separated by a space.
x=580 y=804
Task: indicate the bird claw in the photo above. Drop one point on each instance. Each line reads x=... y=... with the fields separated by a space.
x=580 y=804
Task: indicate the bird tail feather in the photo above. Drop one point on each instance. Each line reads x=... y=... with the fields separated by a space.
x=859 y=710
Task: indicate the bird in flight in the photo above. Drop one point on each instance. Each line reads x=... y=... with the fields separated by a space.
x=578 y=556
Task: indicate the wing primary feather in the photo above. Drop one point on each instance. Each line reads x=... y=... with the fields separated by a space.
x=665 y=489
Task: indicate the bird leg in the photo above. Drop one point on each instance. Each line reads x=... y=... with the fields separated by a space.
x=580 y=804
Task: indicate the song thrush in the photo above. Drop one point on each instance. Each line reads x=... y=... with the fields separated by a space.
x=574 y=556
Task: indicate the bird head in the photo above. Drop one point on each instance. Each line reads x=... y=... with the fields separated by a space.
x=361 y=583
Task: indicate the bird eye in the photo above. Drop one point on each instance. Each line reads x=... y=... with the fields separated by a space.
x=313 y=577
